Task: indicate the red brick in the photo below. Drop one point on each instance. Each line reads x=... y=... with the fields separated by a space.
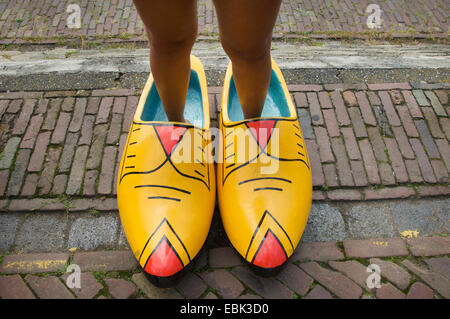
x=369 y=162
x=191 y=286
x=305 y=87
x=326 y=155
x=105 y=260
x=440 y=265
x=3 y=180
x=413 y=171
x=407 y=121
x=48 y=287
x=32 y=131
x=224 y=283
x=424 y=163
x=377 y=247
x=223 y=257
x=353 y=270
x=366 y=109
x=317 y=251
x=314 y=159
x=324 y=100
x=119 y=105
x=343 y=167
x=345 y=86
x=412 y=104
x=89 y=287
x=440 y=171
x=114 y=129
x=93 y=104
x=317 y=195
x=387 y=291
x=389 y=86
x=14 y=106
x=349 y=98
x=389 y=109
x=86 y=130
x=445 y=124
x=319 y=293
x=78 y=115
x=397 y=161
x=433 y=123
x=331 y=122
x=377 y=144
x=358 y=173
x=442 y=95
x=420 y=291
x=13 y=287
x=24 y=117
x=107 y=170
x=113 y=92
x=389 y=193
x=396 y=96
x=330 y=174
x=300 y=99
x=59 y=134
x=341 y=111
x=444 y=149
x=373 y=98
x=104 y=110
x=67 y=104
x=429 y=246
x=357 y=122
x=37 y=158
x=344 y=194
x=435 y=280
x=403 y=142
x=296 y=279
x=120 y=288
x=314 y=109
x=350 y=143
x=33 y=263
x=393 y=272
x=337 y=283
x=130 y=109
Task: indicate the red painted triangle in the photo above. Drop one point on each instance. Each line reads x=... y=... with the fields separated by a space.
x=270 y=254
x=262 y=130
x=169 y=136
x=163 y=262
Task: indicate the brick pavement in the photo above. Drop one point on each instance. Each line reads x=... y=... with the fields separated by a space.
x=45 y=21
x=383 y=141
x=417 y=268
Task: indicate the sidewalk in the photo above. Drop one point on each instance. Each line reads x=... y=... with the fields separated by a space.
x=44 y=21
x=415 y=269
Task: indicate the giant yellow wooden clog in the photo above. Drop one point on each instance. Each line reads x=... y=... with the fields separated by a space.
x=166 y=182
x=264 y=180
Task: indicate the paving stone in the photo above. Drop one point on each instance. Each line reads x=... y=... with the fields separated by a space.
x=42 y=233
x=392 y=116
x=130 y=109
x=13 y=287
x=443 y=96
x=433 y=122
x=435 y=280
x=344 y=194
x=59 y=184
x=224 y=283
x=326 y=155
x=18 y=174
x=429 y=246
x=48 y=172
x=357 y=122
x=89 y=187
x=389 y=193
x=444 y=149
x=413 y=171
x=67 y=104
x=113 y=260
x=33 y=263
x=90 y=233
x=445 y=124
x=330 y=174
x=104 y=110
x=388 y=86
x=87 y=130
x=305 y=123
x=269 y=288
x=370 y=220
x=9 y=152
x=191 y=286
x=331 y=122
x=89 y=287
x=14 y=106
x=24 y=117
x=440 y=208
x=365 y=108
x=48 y=287
x=440 y=171
x=306 y=87
x=349 y=98
x=314 y=160
x=114 y=129
x=438 y=190
x=319 y=293
x=210 y=295
x=32 y=131
x=427 y=139
x=337 y=283
x=92 y=105
x=377 y=144
x=397 y=97
x=59 y=134
x=107 y=170
x=119 y=105
x=3 y=181
x=386 y=173
x=325 y=223
x=317 y=251
x=154 y=292
x=422 y=159
x=420 y=291
x=388 y=291
x=396 y=159
x=8 y=226
x=393 y=272
x=95 y=153
x=375 y=247
x=341 y=111
x=412 y=104
x=437 y=106
x=403 y=143
x=324 y=100
x=296 y=279
x=314 y=108
x=54 y=107
x=249 y=296
x=113 y=92
x=421 y=99
x=350 y=143
x=342 y=163
x=407 y=121
x=223 y=257
x=353 y=270
x=300 y=99
x=382 y=120
x=120 y=288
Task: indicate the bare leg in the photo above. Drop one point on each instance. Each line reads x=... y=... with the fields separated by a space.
x=172 y=29
x=246 y=35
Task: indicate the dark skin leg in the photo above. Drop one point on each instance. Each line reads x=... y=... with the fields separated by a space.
x=246 y=35
x=171 y=27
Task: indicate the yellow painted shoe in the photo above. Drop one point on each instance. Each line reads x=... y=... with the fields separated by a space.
x=263 y=176
x=166 y=182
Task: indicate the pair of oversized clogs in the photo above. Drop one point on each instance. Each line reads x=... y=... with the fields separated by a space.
x=167 y=182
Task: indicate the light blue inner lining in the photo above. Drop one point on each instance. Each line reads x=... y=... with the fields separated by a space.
x=275 y=104
x=193 y=109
